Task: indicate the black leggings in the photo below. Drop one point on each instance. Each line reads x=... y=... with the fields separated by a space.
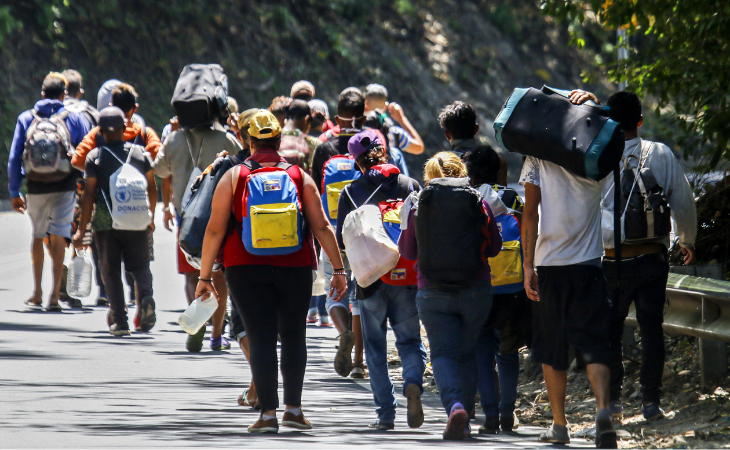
x=273 y=299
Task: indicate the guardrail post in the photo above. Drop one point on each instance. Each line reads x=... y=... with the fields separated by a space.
x=713 y=354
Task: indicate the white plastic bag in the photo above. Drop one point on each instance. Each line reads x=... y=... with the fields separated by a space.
x=198 y=312
x=369 y=249
x=78 y=280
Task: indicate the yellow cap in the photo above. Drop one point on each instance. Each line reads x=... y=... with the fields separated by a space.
x=263 y=125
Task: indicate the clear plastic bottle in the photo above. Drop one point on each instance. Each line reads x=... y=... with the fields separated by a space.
x=197 y=314
x=78 y=282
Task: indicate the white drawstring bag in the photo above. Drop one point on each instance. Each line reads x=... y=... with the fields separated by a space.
x=130 y=207
x=369 y=249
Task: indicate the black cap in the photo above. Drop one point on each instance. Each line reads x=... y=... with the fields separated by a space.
x=112 y=118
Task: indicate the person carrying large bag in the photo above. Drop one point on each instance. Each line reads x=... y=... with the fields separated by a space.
x=271 y=267
x=368 y=228
x=451 y=232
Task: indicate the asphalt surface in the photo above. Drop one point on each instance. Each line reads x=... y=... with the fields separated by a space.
x=66 y=383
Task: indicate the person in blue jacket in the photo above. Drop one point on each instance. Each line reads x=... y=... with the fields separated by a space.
x=50 y=205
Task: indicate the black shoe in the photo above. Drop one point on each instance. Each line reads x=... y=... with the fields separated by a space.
x=120 y=329
x=507 y=423
x=147 y=317
x=102 y=300
x=74 y=303
x=491 y=425
x=378 y=425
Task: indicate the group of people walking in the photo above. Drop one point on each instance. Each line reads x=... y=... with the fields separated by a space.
x=300 y=198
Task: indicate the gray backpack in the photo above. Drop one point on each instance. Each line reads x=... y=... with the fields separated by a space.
x=47 y=144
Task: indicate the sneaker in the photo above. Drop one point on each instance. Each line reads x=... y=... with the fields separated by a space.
x=195 y=341
x=415 y=408
x=491 y=425
x=102 y=300
x=378 y=425
x=147 y=317
x=652 y=411
x=343 y=359
x=358 y=370
x=457 y=425
x=556 y=434
x=264 y=426
x=325 y=323
x=119 y=329
x=311 y=319
x=219 y=344
x=509 y=423
x=605 y=433
x=617 y=412
x=295 y=421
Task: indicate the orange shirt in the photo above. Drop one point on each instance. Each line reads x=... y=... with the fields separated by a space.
x=153 y=143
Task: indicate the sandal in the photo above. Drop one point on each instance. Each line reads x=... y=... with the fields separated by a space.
x=242 y=401
x=54 y=308
x=33 y=304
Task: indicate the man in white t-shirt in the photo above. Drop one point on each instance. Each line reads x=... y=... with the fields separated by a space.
x=561 y=238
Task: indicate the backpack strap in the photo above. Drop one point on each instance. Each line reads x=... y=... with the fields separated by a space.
x=190 y=149
x=347 y=191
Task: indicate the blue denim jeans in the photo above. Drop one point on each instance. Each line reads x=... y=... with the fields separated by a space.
x=453 y=320
x=349 y=302
x=508 y=367
x=396 y=304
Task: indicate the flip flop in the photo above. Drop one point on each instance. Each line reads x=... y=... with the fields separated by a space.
x=33 y=304
x=54 y=308
x=242 y=401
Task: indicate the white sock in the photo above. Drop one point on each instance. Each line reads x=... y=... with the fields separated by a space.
x=295 y=411
x=267 y=417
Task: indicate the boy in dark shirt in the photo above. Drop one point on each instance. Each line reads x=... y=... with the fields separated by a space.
x=117 y=245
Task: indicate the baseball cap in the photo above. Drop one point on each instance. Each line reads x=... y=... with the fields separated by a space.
x=112 y=118
x=302 y=87
x=263 y=125
x=319 y=106
x=363 y=142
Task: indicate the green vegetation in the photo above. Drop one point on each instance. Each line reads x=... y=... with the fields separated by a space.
x=677 y=54
x=427 y=53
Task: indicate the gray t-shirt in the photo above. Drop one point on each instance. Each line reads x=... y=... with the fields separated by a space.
x=184 y=150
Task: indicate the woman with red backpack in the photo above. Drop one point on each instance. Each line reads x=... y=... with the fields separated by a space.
x=269 y=258
x=393 y=296
x=451 y=231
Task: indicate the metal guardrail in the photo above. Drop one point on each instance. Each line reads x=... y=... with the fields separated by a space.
x=698 y=307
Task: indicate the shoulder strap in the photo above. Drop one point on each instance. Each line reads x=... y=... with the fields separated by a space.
x=34 y=113
x=115 y=156
x=347 y=191
x=190 y=149
x=62 y=115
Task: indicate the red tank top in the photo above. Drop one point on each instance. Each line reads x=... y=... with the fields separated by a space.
x=234 y=252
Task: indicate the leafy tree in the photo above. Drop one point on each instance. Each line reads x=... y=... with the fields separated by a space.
x=681 y=59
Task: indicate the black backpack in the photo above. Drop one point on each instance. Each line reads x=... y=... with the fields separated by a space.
x=201 y=95
x=648 y=216
x=451 y=232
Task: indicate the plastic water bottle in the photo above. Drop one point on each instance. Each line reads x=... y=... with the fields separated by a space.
x=197 y=314
x=78 y=281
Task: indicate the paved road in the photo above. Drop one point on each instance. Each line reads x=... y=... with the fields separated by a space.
x=66 y=383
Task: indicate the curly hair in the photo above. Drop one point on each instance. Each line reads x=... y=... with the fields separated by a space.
x=444 y=164
x=459 y=119
x=373 y=157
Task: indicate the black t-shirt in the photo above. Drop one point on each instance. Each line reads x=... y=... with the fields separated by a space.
x=101 y=164
x=326 y=150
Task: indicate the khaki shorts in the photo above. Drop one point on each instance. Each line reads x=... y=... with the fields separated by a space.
x=51 y=213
